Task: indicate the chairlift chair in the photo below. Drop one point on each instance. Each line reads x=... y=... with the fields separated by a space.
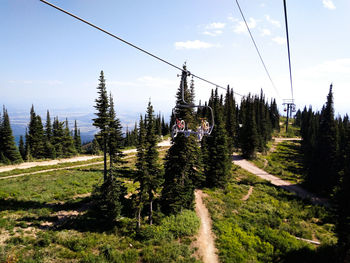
x=180 y=126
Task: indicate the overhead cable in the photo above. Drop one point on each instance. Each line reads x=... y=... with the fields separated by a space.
x=290 y=67
x=134 y=46
x=256 y=47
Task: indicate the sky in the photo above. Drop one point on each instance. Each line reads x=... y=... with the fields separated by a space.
x=54 y=61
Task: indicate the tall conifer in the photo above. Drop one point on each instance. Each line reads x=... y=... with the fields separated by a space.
x=183 y=166
x=102 y=120
x=9 y=148
x=218 y=163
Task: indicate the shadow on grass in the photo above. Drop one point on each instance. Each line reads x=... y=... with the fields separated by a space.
x=323 y=254
x=77 y=215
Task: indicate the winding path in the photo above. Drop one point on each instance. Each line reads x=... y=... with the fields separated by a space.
x=294 y=188
x=205 y=239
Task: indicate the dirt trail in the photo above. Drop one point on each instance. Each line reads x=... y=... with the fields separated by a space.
x=250 y=191
x=27 y=165
x=246 y=165
x=205 y=239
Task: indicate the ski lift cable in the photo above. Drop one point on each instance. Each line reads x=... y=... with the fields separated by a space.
x=290 y=67
x=257 y=49
x=136 y=47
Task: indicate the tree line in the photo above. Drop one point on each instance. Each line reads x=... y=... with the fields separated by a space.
x=326 y=152
x=52 y=140
x=188 y=164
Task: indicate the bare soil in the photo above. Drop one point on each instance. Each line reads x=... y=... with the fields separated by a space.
x=250 y=191
x=27 y=165
x=294 y=188
x=205 y=239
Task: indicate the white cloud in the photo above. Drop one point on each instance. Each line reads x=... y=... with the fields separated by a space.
x=241 y=27
x=216 y=25
x=213 y=33
x=272 y=21
x=232 y=19
x=328 y=4
x=195 y=44
x=280 y=40
x=265 y=32
x=214 y=29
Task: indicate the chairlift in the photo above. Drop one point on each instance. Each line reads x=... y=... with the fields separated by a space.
x=204 y=129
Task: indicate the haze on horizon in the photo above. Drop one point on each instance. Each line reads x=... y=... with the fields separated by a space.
x=53 y=61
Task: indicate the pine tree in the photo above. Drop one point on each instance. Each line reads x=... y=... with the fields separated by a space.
x=21 y=147
x=9 y=149
x=68 y=142
x=57 y=137
x=248 y=133
x=36 y=135
x=110 y=194
x=48 y=127
x=76 y=137
x=152 y=174
x=183 y=166
x=218 y=163
x=115 y=136
x=326 y=150
x=141 y=168
x=343 y=203
x=102 y=120
x=230 y=118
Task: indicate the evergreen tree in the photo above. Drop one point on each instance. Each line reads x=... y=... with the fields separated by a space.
x=110 y=194
x=324 y=173
x=28 y=155
x=218 y=163
x=48 y=127
x=9 y=151
x=57 y=137
x=115 y=136
x=21 y=147
x=152 y=173
x=183 y=166
x=343 y=204
x=68 y=142
x=77 y=138
x=36 y=135
x=230 y=118
x=102 y=121
x=141 y=168
x=48 y=147
x=248 y=133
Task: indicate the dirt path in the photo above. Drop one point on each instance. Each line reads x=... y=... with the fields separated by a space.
x=27 y=165
x=250 y=191
x=205 y=239
x=50 y=170
x=246 y=165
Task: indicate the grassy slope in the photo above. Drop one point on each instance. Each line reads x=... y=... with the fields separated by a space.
x=34 y=229
x=263 y=228
x=285 y=162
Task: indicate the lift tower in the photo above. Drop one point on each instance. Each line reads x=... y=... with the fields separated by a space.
x=289 y=107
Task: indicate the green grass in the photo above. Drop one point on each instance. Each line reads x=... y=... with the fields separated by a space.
x=285 y=162
x=46 y=167
x=263 y=228
x=293 y=131
x=32 y=228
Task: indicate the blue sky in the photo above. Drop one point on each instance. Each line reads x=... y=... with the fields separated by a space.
x=54 y=61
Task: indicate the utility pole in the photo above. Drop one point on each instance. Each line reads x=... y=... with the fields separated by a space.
x=289 y=108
